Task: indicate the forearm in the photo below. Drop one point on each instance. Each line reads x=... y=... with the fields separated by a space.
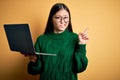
x=80 y=60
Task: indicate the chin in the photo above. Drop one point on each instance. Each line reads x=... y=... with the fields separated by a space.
x=61 y=29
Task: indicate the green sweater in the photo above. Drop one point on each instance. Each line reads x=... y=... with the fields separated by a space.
x=70 y=57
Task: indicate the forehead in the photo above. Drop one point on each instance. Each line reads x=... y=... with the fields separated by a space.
x=62 y=12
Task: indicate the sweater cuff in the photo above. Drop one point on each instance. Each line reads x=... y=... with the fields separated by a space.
x=82 y=48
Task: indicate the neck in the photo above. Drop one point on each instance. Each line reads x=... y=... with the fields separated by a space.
x=57 y=32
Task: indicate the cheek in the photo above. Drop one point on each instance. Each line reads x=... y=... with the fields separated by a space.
x=55 y=24
x=67 y=24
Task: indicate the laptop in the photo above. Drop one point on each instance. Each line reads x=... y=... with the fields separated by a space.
x=20 y=40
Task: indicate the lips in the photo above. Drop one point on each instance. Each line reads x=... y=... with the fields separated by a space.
x=62 y=26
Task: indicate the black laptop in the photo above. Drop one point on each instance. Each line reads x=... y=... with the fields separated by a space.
x=19 y=38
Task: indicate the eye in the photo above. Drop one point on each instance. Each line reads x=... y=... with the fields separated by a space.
x=65 y=18
x=57 y=17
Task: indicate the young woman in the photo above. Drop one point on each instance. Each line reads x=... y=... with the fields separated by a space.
x=59 y=39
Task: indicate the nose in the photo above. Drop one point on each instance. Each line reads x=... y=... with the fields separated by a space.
x=62 y=20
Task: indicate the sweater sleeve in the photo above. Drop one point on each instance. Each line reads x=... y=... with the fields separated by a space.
x=35 y=68
x=80 y=60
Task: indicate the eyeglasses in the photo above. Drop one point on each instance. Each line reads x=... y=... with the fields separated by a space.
x=59 y=18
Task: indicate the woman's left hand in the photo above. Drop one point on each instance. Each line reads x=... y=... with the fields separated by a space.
x=83 y=37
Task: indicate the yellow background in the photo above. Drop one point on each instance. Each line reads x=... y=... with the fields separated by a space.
x=102 y=17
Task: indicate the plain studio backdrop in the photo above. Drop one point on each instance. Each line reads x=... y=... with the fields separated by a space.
x=102 y=17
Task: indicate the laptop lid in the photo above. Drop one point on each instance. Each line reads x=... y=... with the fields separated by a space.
x=19 y=38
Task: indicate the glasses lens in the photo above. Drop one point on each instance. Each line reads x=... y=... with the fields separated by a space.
x=66 y=19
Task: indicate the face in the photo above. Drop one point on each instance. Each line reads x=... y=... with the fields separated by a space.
x=60 y=21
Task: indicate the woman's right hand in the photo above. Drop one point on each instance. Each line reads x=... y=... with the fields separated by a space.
x=32 y=57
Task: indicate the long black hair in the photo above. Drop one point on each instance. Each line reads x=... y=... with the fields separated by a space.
x=54 y=9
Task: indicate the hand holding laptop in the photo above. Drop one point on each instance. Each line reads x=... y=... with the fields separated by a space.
x=32 y=57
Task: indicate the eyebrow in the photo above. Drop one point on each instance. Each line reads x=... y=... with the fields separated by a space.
x=61 y=16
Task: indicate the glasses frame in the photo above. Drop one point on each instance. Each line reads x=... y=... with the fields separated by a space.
x=59 y=18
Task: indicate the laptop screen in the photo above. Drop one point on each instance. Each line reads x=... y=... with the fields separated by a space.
x=19 y=38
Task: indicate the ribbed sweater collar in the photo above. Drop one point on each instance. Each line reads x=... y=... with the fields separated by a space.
x=58 y=35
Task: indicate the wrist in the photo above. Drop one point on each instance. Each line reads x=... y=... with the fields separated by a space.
x=82 y=43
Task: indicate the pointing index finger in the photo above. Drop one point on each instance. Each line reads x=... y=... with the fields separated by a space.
x=85 y=30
